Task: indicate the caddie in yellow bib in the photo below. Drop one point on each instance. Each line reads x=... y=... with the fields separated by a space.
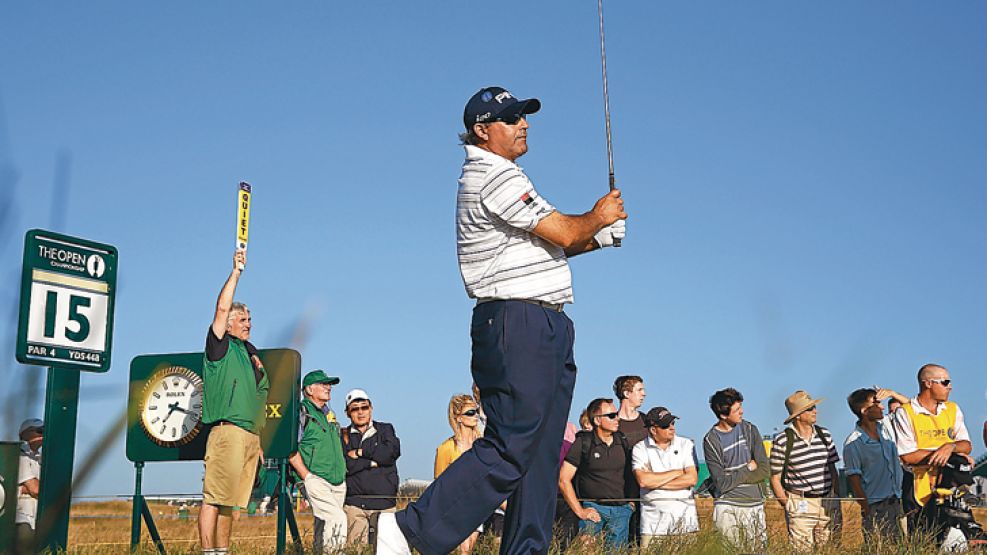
x=929 y=429
x=932 y=431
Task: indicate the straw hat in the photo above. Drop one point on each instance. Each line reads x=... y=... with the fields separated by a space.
x=799 y=402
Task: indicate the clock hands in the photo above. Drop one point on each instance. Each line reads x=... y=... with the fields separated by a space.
x=172 y=408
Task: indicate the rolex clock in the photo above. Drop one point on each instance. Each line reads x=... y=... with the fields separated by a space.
x=171 y=406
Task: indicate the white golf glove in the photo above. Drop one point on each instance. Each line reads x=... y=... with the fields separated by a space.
x=606 y=236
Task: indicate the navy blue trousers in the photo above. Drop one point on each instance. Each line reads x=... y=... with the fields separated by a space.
x=523 y=365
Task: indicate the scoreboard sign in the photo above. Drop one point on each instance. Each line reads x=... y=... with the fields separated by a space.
x=68 y=287
x=164 y=408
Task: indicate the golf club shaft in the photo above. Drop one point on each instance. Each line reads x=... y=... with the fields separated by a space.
x=606 y=102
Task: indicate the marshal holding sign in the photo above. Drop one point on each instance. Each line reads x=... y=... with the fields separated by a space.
x=68 y=287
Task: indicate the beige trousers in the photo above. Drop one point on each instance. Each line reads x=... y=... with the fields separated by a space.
x=358 y=521
x=327 y=504
x=808 y=520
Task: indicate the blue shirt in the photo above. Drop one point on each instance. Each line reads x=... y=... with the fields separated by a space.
x=875 y=461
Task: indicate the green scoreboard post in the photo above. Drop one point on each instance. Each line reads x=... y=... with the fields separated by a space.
x=68 y=287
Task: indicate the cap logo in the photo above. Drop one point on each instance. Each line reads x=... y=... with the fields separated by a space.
x=500 y=98
x=487 y=96
x=482 y=117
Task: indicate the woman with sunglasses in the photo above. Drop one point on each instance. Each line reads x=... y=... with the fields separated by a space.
x=464 y=421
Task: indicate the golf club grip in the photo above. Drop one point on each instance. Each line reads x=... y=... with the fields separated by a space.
x=613 y=185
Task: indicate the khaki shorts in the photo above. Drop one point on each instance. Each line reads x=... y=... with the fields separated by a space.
x=231 y=464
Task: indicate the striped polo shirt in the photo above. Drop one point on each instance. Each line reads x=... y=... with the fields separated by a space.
x=497 y=207
x=808 y=466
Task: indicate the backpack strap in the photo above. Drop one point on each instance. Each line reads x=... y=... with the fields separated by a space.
x=623 y=441
x=790 y=436
x=789 y=443
x=584 y=445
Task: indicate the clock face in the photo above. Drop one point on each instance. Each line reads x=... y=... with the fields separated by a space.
x=171 y=406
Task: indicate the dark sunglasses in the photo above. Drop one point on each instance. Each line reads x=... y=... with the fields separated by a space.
x=471 y=412
x=360 y=408
x=944 y=383
x=509 y=120
x=610 y=415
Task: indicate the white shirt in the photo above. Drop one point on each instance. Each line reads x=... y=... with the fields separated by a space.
x=905 y=432
x=647 y=456
x=497 y=208
x=29 y=467
x=666 y=512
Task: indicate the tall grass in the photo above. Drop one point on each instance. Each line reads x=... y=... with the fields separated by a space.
x=104 y=528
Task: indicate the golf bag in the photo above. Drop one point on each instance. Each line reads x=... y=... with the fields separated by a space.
x=950 y=504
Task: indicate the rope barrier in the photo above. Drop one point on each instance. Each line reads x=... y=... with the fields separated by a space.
x=184 y=540
x=592 y=499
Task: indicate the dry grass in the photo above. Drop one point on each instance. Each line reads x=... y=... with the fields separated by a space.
x=100 y=528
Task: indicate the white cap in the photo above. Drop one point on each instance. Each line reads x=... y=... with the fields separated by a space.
x=31 y=423
x=356 y=395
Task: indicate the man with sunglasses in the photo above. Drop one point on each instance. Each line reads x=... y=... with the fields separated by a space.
x=600 y=463
x=665 y=467
x=929 y=429
x=803 y=474
x=513 y=248
x=372 y=450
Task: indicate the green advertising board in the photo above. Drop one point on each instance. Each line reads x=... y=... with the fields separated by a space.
x=9 y=459
x=68 y=287
x=164 y=407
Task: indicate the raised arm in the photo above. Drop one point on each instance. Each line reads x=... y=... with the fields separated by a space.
x=575 y=233
x=883 y=394
x=225 y=300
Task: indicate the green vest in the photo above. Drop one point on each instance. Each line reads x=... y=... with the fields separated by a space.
x=320 y=446
x=231 y=392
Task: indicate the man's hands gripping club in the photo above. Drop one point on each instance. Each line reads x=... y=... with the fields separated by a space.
x=585 y=232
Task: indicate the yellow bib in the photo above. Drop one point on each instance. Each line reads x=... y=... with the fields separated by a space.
x=931 y=432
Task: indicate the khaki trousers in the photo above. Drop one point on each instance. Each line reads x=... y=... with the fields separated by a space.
x=358 y=521
x=231 y=465
x=327 y=505
x=808 y=520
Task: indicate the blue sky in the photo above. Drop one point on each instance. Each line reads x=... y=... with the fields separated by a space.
x=805 y=184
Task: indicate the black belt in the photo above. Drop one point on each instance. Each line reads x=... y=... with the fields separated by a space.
x=809 y=494
x=557 y=307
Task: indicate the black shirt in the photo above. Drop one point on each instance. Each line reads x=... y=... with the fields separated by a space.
x=605 y=471
x=633 y=430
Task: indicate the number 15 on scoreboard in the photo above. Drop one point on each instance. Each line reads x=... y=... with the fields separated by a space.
x=68 y=287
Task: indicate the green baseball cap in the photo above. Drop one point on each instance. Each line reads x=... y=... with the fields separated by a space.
x=318 y=376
